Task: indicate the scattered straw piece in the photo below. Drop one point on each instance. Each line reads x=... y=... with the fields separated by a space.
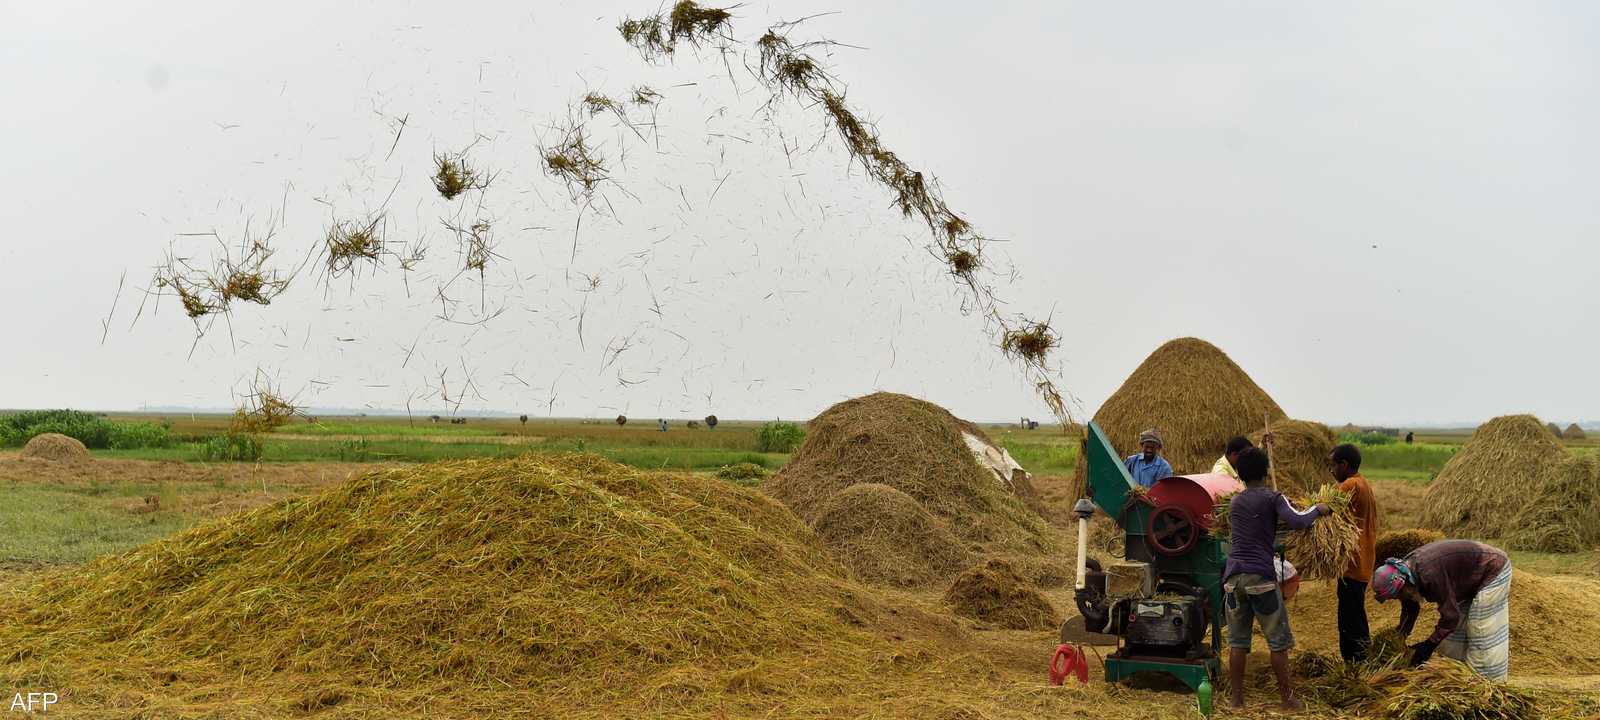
x=454 y=175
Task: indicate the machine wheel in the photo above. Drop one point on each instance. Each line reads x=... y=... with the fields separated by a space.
x=1172 y=530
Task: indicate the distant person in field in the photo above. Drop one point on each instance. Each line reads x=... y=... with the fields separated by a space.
x=1471 y=584
x=1251 y=580
x=1147 y=466
x=1354 y=635
x=1230 y=455
x=1410 y=437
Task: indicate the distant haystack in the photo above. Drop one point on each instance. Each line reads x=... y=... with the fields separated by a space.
x=1300 y=452
x=1554 y=429
x=1195 y=395
x=1481 y=489
x=54 y=446
x=1573 y=432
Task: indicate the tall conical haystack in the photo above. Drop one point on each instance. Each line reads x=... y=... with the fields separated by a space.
x=55 y=446
x=1573 y=432
x=1300 y=452
x=550 y=575
x=1195 y=395
x=1484 y=485
x=1563 y=515
x=916 y=448
x=1554 y=429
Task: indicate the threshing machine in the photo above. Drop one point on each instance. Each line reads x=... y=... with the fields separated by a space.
x=1163 y=599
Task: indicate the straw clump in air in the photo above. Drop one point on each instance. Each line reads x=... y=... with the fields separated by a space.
x=1195 y=395
x=885 y=536
x=1483 y=487
x=917 y=449
x=1400 y=543
x=453 y=175
x=1300 y=450
x=656 y=37
x=994 y=592
x=55 y=446
x=553 y=572
x=1563 y=514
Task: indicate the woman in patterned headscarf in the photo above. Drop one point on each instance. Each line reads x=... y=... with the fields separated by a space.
x=1471 y=584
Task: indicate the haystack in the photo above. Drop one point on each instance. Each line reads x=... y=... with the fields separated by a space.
x=1481 y=489
x=886 y=536
x=1554 y=429
x=55 y=446
x=1300 y=450
x=1400 y=543
x=1573 y=432
x=916 y=448
x=995 y=592
x=538 y=572
x=1195 y=395
x=1563 y=514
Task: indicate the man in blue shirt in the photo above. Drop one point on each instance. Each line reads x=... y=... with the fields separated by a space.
x=1148 y=466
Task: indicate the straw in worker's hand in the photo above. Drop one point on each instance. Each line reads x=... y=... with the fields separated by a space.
x=1219 y=517
x=1324 y=550
x=1444 y=689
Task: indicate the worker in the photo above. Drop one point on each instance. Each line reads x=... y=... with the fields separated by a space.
x=1251 y=590
x=1471 y=584
x=1351 y=589
x=1409 y=437
x=1147 y=466
x=1230 y=455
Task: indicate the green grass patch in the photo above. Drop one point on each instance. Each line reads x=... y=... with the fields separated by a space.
x=74 y=524
x=1420 y=457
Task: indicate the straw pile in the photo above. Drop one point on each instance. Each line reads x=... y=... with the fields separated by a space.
x=1444 y=689
x=537 y=572
x=1481 y=489
x=1400 y=543
x=996 y=593
x=1300 y=451
x=1554 y=429
x=1324 y=550
x=885 y=536
x=1563 y=515
x=1195 y=395
x=915 y=448
x=1573 y=432
x=55 y=446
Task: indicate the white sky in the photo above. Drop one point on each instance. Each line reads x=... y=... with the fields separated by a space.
x=1384 y=212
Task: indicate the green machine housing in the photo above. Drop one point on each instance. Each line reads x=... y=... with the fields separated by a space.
x=1169 y=618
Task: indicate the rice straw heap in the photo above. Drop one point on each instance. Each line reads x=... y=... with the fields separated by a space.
x=55 y=446
x=1480 y=491
x=1195 y=395
x=915 y=448
x=1300 y=450
x=1573 y=432
x=1400 y=543
x=1554 y=429
x=1563 y=515
x=1444 y=689
x=1324 y=550
x=995 y=592
x=886 y=536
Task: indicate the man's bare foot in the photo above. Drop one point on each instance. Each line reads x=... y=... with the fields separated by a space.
x=1292 y=704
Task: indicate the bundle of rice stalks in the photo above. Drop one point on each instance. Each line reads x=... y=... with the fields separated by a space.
x=348 y=243
x=55 y=446
x=1386 y=651
x=542 y=573
x=1195 y=394
x=1563 y=514
x=917 y=449
x=1327 y=679
x=885 y=536
x=1300 y=450
x=1483 y=487
x=1400 y=543
x=1220 y=513
x=995 y=592
x=1324 y=550
x=1444 y=689
x=1573 y=432
x=454 y=175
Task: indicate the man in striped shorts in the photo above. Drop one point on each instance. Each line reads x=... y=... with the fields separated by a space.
x=1471 y=584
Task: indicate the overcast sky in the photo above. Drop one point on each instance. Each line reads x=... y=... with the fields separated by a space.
x=1384 y=212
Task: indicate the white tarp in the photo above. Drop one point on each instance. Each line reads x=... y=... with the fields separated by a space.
x=996 y=459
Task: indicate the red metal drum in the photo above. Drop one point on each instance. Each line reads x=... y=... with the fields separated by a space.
x=1196 y=493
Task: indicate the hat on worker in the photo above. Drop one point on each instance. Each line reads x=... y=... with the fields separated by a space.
x=1151 y=435
x=1390 y=578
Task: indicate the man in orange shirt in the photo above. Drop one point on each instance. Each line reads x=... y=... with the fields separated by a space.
x=1354 y=635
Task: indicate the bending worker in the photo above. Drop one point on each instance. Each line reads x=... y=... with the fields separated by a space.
x=1147 y=466
x=1471 y=584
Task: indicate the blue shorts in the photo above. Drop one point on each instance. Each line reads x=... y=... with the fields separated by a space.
x=1249 y=597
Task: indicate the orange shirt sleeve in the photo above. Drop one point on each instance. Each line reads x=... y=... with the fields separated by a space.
x=1365 y=505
